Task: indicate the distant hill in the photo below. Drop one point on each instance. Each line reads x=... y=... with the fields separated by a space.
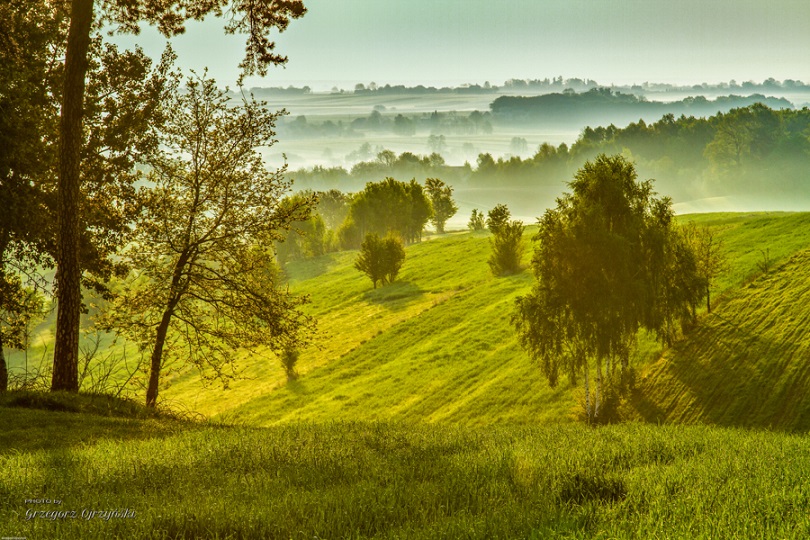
x=603 y=106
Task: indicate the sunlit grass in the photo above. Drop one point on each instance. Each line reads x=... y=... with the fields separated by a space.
x=381 y=480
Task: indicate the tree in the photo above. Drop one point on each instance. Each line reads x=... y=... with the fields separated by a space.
x=507 y=249
x=441 y=199
x=609 y=261
x=404 y=126
x=710 y=259
x=304 y=239
x=18 y=307
x=518 y=145
x=437 y=143
x=333 y=206
x=386 y=207
x=497 y=218
x=256 y=19
x=120 y=117
x=203 y=283
x=380 y=258
x=476 y=222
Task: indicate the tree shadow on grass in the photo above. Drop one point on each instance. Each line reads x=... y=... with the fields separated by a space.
x=395 y=296
x=728 y=375
x=28 y=430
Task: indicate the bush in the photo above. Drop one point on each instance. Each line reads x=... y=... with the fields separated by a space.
x=476 y=222
x=380 y=258
x=497 y=218
x=289 y=359
x=507 y=249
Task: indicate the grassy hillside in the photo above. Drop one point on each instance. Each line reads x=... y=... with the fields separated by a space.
x=127 y=479
x=746 y=363
x=437 y=345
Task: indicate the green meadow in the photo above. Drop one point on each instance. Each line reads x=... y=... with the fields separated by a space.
x=417 y=415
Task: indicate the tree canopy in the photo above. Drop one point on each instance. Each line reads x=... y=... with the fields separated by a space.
x=389 y=206
x=441 y=199
x=203 y=282
x=609 y=260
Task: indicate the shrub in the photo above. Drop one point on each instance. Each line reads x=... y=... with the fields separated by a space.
x=380 y=258
x=289 y=359
x=507 y=249
x=476 y=222
x=497 y=218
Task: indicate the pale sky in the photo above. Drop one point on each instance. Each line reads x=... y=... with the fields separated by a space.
x=342 y=42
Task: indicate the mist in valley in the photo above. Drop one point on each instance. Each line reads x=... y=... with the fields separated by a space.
x=721 y=147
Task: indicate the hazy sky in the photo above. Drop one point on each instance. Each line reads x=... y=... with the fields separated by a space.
x=452 y=41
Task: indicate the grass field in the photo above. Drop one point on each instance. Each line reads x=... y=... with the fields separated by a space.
x=161 y=479
x=417 y=416
x=437 y=346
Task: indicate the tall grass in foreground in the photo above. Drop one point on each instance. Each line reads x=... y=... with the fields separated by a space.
x=363 y=480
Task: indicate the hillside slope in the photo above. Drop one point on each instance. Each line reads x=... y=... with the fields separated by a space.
x=437 y=345
x=747 y=363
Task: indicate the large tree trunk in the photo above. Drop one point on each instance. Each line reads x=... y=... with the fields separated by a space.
x=708 y=301
x=588 y=411
x=68 y=274
x=157 y=358
x=3 y=368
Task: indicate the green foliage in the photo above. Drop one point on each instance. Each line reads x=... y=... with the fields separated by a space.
x=380 y=258
x=289 y=360
x=204 y=284
x=306 y=237
x=609 y=262
x=19 y=306
x=386 y=207
x=476 y=222
x=507 y=249
x=497 y=218
x=333 y=206
x=441 y=199
x=710 y=258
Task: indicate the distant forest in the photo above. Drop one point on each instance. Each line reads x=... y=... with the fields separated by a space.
x=748 y=150
x=617 y=107
x=556 y=84
x=600 y=106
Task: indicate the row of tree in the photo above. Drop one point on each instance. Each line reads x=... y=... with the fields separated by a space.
x=754 y=149
x=437 y=123
x=387 y=207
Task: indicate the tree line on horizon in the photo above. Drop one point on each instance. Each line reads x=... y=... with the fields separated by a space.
x=749 y=150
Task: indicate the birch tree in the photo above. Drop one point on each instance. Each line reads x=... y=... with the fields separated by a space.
x=608 y=262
